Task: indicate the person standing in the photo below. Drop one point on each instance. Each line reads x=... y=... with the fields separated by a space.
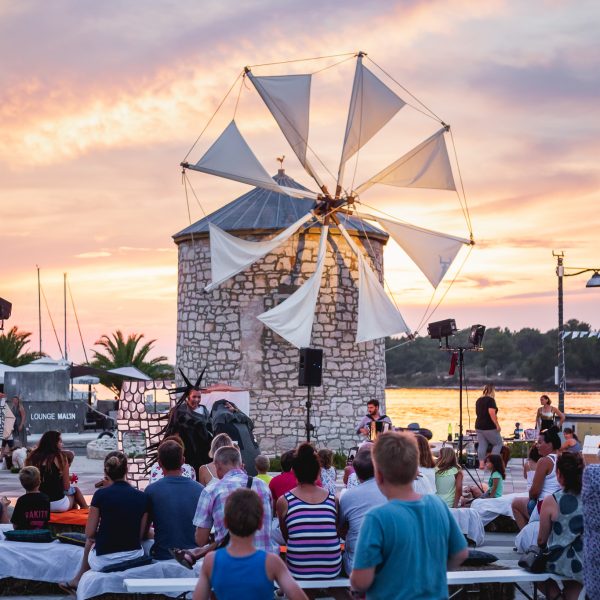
x=487 y=425
x=373 y=420
x=547 y=414
x=189 y=419
x=19 y=429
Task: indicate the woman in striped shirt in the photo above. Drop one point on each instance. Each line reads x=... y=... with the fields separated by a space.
x=307 y=516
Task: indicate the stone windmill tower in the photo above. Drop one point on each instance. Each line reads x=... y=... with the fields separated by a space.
x=278 y=268
x=220 y=328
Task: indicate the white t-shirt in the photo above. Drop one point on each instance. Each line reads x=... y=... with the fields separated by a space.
x=156 y=472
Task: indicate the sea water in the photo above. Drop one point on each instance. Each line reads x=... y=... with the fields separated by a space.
x=434 y=408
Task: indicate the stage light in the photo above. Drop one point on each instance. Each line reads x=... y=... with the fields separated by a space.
x=441 y=329
x=476 y=335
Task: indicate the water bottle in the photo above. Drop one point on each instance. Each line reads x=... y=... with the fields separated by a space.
x=449 y=432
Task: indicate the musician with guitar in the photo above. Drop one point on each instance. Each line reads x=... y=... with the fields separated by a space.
x=373 y=423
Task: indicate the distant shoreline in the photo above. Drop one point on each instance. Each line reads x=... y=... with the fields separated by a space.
x=576 y=387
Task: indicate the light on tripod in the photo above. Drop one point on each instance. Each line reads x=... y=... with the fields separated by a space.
x=441 y=329
x=476 y=335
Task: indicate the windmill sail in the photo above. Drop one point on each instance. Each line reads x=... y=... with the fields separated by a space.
x=425 y=166
x=288 y=99
x=431 y=251
x=372 y=105
x=231 y=157
x=377 y=315
x=230 y=255
x=293 y=318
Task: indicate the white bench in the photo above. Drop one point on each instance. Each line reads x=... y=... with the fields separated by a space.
x=512 y=576
x=187 y=584
x=515 y=577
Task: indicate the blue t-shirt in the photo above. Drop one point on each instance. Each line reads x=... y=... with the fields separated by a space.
x=408 y=543
x=172 y=504
x=235 y=577
x=121 y=510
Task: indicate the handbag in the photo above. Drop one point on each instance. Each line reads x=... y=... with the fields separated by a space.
x=534 y=560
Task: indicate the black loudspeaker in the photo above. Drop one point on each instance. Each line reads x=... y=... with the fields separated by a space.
x=311 y=367
x=5 y=307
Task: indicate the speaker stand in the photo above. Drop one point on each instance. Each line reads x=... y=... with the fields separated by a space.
x=308 y=424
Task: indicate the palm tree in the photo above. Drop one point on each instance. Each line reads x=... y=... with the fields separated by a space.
x=121 y=352
x=11 y=348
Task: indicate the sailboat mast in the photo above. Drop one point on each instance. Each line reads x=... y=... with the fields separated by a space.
x=65 y=306
x=39 y=306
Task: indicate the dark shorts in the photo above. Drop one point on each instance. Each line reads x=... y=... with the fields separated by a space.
x=9 y=443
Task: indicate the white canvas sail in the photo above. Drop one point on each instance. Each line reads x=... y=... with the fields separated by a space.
x=377 y=315
x=431 y=251
x=425 y=166
x=372 y=105
x=288 y=99
x=231 y=157
x=230 y=255
x=293 y=318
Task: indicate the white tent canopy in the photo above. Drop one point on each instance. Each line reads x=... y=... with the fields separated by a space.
x=44 y=364
x=3 y=369
x=130 y=373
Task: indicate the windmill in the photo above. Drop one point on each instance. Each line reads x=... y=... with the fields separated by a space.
x=372 y=105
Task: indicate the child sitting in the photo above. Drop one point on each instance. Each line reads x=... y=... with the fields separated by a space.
x=240 y=570
x=530 y=464
x=32 y=510
x=495 y=485
x=328 y=473
x=408 y=536
x=448 y=478
x=262 y=464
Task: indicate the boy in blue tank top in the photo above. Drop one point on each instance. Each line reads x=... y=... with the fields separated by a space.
x=241 y=570
x=405 y=546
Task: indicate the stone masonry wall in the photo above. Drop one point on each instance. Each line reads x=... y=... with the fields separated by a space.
x=133 y=416
x=219 y=330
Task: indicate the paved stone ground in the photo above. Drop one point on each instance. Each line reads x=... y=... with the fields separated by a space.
x=89 y=471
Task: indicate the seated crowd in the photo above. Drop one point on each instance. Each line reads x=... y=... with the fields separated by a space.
x=394 y=518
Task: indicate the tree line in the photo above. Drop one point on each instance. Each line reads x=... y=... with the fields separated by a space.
x=524 y=356
x=117 y=351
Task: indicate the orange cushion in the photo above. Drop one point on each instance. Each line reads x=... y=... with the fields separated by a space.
x=70 y=517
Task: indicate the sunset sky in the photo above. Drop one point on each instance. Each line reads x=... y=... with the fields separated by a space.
x=100 y=101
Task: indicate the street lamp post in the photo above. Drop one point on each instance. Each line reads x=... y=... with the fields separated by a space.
x=593 y=282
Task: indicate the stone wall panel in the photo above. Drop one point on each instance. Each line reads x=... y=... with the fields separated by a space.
x=238 y=350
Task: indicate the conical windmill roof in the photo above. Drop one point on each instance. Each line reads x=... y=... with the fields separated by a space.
x=265 y=211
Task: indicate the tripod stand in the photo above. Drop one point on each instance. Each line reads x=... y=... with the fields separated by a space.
x=308 y=425
x=461 y=365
